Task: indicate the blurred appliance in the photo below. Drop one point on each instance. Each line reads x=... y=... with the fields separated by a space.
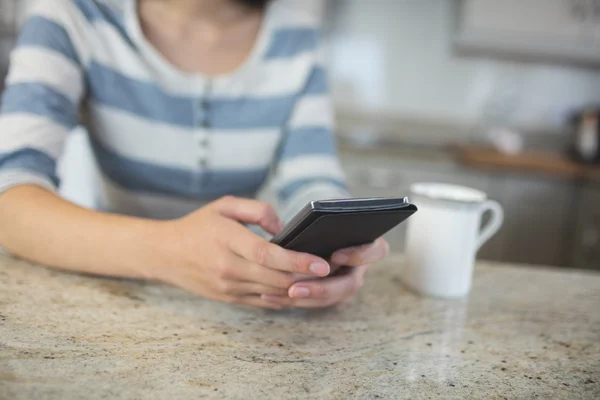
x=586 y=136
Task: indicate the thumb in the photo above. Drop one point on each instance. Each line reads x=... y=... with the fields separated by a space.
x=250 y=212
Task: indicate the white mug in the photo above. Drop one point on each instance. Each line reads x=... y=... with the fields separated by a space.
x=444 y=236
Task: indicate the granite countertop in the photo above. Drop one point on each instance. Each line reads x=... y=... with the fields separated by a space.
x=524 y=332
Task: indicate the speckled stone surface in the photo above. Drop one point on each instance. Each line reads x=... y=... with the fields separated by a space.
x=523 y=333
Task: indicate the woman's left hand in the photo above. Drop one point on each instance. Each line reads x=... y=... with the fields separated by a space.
x=337 y=288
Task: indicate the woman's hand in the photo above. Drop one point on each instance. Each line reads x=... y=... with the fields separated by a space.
x=210 y=253
x=338 y=288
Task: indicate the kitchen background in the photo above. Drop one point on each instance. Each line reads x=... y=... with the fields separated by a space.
x=501 y=96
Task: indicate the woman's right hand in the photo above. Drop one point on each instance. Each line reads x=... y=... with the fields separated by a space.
x=212 y=254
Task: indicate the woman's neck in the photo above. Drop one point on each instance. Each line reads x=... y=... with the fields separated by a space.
x=217 y=12
x=212 y=37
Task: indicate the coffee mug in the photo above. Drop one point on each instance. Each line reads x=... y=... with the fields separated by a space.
x=444 y=237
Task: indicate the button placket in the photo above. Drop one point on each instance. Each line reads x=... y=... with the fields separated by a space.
x=203 y=140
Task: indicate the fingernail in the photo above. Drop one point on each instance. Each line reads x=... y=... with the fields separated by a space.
x=320 y=269
x=340 y=258
x=298 y=292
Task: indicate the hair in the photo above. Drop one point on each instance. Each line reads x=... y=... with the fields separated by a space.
x=255 y=3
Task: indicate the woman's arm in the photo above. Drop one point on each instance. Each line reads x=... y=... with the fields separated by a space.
x=44 y=89
x=39 y=226
x=209 y=252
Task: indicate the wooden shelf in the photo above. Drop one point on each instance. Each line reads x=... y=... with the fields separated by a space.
x=546 y=163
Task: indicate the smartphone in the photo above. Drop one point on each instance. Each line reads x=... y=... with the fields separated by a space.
x=323 y=227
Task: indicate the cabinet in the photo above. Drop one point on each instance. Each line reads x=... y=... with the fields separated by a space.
x=586 y=246
x=551 y=30
x=538 y=219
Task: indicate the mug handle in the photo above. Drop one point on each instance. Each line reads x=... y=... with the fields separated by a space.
x=495 y=223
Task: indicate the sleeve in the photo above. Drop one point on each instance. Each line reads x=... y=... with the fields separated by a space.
x=307 y=166
x=40 y=103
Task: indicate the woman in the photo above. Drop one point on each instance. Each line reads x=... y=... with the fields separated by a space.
x=194 y=108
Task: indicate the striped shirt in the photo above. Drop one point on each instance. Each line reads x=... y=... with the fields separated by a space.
x=165 y=141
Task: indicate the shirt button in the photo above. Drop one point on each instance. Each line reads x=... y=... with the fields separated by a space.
x=204 y=142
x=206 y=123
x=204 y=104
x=202 y=163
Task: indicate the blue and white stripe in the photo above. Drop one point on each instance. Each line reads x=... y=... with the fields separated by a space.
x=267 y=128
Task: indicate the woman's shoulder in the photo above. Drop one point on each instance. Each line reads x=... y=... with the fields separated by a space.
x=295 y=28
x=81 y=31
x=77 y=24
x=296 y=13
x=72 y=12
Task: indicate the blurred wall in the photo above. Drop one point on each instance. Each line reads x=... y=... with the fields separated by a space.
x=395 y=57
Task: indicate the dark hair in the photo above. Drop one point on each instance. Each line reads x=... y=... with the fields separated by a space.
x=255 y=3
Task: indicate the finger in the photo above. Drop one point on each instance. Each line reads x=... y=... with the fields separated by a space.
x=302 y=303
x=362 y=271
x=324 y=292
x=251 y=212
x=248 y=271
x=257 y=301
x=192 y=285
x=362 y=255
x=252 y=288
x=254 y=248
x=345 y=284
x=332 y=287
x=281 y=301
